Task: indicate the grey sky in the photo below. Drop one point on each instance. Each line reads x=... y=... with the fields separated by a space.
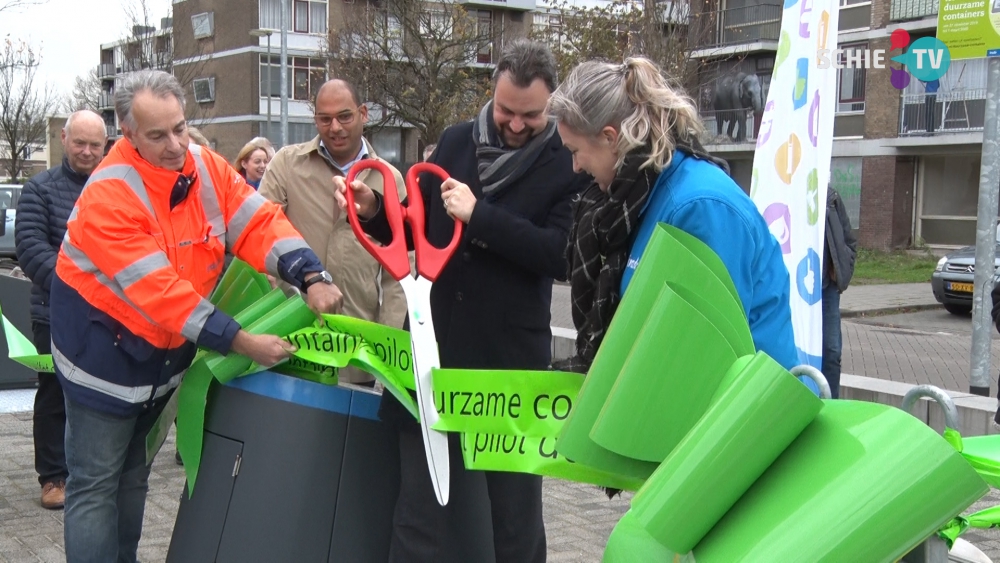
x=70 y=33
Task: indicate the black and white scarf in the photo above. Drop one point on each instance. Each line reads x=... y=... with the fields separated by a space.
x=500 y=166
x=600 y=244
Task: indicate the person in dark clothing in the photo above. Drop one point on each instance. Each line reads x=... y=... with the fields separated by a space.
x=839 y=253
x=512 y=183
x=40 y=224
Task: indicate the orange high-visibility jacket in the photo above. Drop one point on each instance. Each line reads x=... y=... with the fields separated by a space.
x=129 y=299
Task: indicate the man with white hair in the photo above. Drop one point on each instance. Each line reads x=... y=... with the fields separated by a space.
x=42 y=212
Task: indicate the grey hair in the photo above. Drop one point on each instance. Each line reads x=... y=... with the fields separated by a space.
x=159 y=83
x=635 y=99
x=525 y=61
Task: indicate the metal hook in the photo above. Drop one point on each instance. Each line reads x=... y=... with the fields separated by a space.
x=817 y=376
x=942 y=398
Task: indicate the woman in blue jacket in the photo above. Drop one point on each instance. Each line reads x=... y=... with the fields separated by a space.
x=638 y=137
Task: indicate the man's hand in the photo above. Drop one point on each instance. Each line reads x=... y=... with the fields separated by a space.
x=458 y=200
x=364 y=197
x=324 y=298
x=267 y=350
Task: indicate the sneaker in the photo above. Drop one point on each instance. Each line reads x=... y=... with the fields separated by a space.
x=54 y=495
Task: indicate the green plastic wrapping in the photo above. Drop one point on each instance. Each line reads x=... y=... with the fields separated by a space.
x=673 y=256
x=863 y=482
x=983 y=454
x=753 y=421
x=238 y=288
x=666 y=383
x=630 y=542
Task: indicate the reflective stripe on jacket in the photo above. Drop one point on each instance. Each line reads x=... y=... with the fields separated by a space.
x=134 y=274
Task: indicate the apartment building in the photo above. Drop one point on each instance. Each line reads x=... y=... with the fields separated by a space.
x=229 y=51
x=908 y=176
x=145 y=47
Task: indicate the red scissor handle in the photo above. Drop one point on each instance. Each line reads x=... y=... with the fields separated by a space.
x=393 y=255
x=430 y=259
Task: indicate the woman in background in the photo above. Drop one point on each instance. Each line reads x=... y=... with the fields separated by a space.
x=252 y=160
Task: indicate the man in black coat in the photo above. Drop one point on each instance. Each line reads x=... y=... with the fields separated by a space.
x=45 y=204
x=511 y=183
x=840 y=250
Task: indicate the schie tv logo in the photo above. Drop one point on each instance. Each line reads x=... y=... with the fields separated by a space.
x=927 y=58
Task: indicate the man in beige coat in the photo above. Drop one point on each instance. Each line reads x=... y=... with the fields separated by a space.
x=298 y=178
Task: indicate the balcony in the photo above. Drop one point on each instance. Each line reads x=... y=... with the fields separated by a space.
x=105 y=70
x=735 y=26
x=955 y=111
x=106 y=100
x=525 y=5
x=717 y=127
x=902 y=10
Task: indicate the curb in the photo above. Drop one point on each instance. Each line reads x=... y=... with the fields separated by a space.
x=851 y=313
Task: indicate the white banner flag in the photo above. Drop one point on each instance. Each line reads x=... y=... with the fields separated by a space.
x=791 y=167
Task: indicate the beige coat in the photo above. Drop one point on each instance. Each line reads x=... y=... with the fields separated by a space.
x=298 y=178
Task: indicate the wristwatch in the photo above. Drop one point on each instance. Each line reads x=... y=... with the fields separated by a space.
x=323 y=276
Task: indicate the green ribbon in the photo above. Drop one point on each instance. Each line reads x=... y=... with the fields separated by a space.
x=22 y=351
x=535 y=455
x=511 y=402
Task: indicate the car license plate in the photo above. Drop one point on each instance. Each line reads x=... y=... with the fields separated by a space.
x=963 y=287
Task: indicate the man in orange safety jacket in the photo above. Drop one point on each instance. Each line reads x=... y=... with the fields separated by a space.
x=144 y=247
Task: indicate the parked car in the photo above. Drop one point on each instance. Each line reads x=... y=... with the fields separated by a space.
x=9 y=195
x=953 y=276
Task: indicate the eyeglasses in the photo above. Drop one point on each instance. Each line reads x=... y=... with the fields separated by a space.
x=344 y=118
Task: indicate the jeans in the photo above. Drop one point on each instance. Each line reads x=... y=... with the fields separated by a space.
x=418 y=527
x=106 y=489
x=832 y=341
x=48 y=424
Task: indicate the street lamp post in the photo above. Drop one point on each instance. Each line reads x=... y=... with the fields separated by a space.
x=266 y=33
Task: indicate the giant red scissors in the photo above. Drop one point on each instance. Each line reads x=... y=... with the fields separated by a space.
x=430 y=261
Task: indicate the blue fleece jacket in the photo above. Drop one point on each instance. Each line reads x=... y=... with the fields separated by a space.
x=699 y=198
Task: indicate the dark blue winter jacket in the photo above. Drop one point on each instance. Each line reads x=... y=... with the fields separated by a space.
x=45 y=204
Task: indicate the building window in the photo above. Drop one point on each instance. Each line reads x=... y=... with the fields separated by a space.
x=484 y=28
x=307 y=16
x=203 y=25
x=851 y=81
x=204 y=89
x=305 y=76
x=435 y=23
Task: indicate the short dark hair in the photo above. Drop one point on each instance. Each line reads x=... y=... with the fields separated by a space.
x=525 y=61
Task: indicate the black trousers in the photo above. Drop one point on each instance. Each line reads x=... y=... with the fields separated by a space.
x=419 y=522
x=49 y=421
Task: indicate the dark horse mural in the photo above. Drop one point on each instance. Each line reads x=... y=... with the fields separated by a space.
x=734 y=94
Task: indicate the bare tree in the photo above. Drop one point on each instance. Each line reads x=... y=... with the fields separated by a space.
x=425 y=64
x=24 y=106
x=656 y=29
x=19 y=4
x=146 y=47
x=86 y=93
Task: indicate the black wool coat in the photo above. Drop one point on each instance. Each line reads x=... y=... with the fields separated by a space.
x=39 y=227
x=491 y=303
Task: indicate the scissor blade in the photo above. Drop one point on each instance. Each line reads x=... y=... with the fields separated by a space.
x=425 y=359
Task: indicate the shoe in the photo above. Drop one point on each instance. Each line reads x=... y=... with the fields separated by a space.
x=177 y=458
x=54 y=495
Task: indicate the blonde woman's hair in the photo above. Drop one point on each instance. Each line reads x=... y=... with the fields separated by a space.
x=635 y=99
x=257 y=143
x=198 y=137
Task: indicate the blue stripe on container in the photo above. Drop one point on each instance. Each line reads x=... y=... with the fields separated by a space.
x=310 y=394
x=365 y=404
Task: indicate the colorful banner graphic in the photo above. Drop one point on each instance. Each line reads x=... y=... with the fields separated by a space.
x=791 y=167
